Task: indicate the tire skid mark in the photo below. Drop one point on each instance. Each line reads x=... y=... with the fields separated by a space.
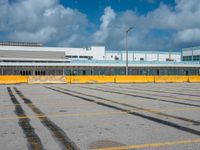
x=34 y=142
x=138 y=108
x=136 y=91
x=57 y=132
x=139 y=96
x=157 y=120
x=175 y=89
x=176 y=92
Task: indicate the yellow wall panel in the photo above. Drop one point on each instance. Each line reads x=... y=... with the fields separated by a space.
x=171 y=79
x=46 y=79
x=68 y=79
x=13 y=79
x=96 y=79
x=131 y=79
x=194 y=78
x=92 y=79
x=150 y=78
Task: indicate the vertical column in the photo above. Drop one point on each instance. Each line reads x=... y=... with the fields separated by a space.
x=192 y=54
x=158 y=56
x=63 y=71
x=145 y=56
x=2 y=71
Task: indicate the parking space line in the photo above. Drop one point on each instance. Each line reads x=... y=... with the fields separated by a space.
x=57 y=132
x=33 y=140
x=139 y=96
x=170 y=88
x=68 y=106
x=161 y=144
x=128 y=105
x=144 y=116
x=97 y=113
x=149 y=92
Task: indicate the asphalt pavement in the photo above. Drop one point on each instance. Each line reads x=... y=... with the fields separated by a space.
x=100 y=116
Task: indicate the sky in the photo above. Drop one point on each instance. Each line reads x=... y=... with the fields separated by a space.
x=158 y=25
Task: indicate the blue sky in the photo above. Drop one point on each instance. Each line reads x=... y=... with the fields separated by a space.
x=158 y=24
x=95 y=8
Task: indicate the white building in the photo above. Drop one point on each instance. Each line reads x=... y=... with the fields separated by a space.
x=191 y=54
x=33 y=59
x=143 y=56
x=92 y=53
x=100 y=53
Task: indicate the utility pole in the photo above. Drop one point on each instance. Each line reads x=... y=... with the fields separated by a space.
x=127 y=31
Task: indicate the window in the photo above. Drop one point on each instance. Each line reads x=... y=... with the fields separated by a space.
x=83 y=56
x=90 y=57
x=87 y=57
x=158 y=72
x=38 y=73
x=67 y=56
x=116 y=58
x=141 y=59
x=196 y=58
x=70 y=56
x=25 y=72
x=187 y=58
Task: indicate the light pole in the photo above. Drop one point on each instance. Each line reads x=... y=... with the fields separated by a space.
x=127 y=31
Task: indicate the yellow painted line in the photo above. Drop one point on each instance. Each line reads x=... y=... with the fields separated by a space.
x=170 y=110
x=64 y=115
x=12 y=105
x=180 y=109
x=125 y=112
x=151 y=145
x=73 y=106
x=150 y=93
x=93 y=113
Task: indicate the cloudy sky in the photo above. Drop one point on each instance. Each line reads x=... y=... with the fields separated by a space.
x=158 y=24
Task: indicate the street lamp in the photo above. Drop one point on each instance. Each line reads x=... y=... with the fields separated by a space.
x=127 y=31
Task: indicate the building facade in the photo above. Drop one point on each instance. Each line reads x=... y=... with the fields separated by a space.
x=36 y=51
x=33 y=59
x=191 y=54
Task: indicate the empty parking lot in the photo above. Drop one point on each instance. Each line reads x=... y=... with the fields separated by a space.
x=100 y=116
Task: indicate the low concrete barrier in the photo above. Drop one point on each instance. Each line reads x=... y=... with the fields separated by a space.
x=46 y=79
x=68 y=79
x=96 y=79
x=91 y=79
x=150 y=79
x=194 y=78
x=134 y=79
x=13 y=79
x=171 y=79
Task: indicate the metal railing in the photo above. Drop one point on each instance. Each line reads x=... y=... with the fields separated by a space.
x=131 y=62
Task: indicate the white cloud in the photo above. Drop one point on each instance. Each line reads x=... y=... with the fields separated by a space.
x=101 y=35
x=188 y=36
x=43 y=21
x=164 y=28
x=42 y=35
x=51 y=23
